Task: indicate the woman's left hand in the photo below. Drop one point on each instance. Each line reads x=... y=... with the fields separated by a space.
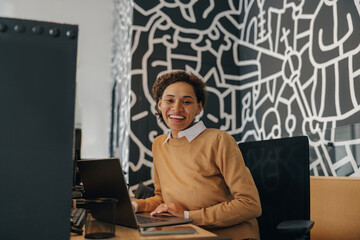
x=171 y=208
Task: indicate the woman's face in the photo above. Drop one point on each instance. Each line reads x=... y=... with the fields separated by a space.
x=178 y=106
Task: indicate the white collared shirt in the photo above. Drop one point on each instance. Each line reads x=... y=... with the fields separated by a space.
x=190 y=133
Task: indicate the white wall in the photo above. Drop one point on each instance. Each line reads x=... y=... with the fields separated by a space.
x=95 y=19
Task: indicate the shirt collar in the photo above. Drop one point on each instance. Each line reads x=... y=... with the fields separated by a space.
x=190 y=133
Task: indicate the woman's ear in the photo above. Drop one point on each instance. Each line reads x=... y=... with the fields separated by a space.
x=159 y=104
x=200 y=107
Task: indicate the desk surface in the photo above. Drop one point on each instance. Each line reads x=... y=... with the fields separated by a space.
x=134 y=234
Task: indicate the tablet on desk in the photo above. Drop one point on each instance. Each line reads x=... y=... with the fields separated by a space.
x=167 y=230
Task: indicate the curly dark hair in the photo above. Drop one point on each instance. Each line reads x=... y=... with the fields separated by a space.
x=167 y=79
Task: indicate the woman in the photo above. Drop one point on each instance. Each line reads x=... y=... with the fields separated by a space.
x=199 y=173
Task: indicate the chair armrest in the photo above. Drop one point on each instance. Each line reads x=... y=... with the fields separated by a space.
x=295 y=227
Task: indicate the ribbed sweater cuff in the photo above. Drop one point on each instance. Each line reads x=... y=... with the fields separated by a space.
x=141 y=205
x=196 y=217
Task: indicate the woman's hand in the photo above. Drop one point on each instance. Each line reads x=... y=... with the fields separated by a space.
x=170 y=208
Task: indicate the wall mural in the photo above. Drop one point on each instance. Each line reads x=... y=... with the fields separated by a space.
x=273 y=69
x=121 y=66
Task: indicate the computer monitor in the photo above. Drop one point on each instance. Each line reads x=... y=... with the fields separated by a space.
x=37 y=101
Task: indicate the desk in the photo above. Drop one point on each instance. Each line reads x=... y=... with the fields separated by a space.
x=125 y=233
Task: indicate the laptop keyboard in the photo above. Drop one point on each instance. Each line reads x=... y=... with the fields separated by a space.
x=142 y=220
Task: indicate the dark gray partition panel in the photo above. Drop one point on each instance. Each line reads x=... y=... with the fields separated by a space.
x=37 y=95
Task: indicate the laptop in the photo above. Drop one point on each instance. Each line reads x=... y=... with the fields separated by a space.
x=105 y=178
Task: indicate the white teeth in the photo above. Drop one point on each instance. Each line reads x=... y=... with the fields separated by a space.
x=177 y=117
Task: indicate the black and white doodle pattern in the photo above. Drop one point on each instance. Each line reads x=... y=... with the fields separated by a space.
x=273 y=69
x=121 y=67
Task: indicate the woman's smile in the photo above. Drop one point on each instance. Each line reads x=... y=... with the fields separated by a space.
x=177 y=117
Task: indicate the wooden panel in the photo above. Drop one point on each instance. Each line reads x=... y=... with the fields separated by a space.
x=335 y=208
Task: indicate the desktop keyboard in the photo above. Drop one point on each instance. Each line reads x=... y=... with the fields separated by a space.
x=77 y=219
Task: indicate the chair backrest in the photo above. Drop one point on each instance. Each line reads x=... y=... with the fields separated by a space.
x=280 y=168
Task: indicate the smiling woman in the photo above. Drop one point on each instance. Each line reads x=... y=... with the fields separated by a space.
x=179 y=97
x=199 y=173
x=199 y=87
x=179 y=106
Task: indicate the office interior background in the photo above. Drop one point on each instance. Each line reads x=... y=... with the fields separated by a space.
x=273 y=69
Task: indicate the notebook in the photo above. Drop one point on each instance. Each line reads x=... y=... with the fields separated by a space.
x=105 y=178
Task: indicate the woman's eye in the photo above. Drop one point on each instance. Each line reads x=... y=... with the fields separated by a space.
x=169 y=100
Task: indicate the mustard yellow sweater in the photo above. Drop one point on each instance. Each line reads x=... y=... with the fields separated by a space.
x=207 y=177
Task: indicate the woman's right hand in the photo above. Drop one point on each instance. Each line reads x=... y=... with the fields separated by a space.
x=170 y=208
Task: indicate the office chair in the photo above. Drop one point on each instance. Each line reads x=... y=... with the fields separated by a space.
x=280 y=168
